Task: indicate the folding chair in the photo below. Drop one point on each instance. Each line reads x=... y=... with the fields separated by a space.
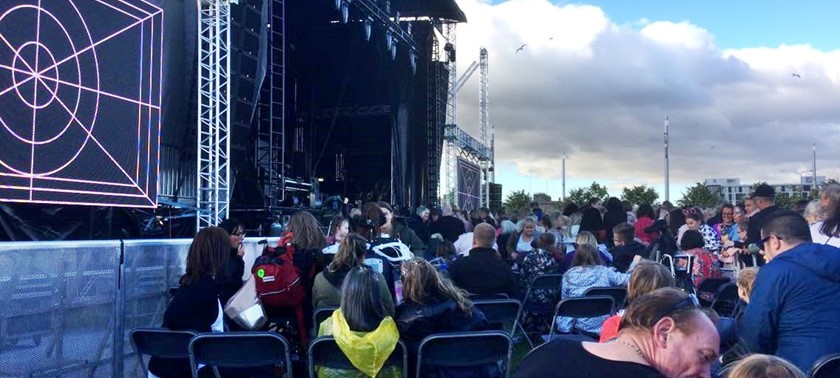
x=532 y=306
x=501 y=312
x=488 y=297
x=582 y=307
x=711 y=285
x=826 y=367
x=239 y=350
x=484 y=349
x=323 y=351
x=318 y=316
x=726 y=300
x=618 y=294
x=159 y=342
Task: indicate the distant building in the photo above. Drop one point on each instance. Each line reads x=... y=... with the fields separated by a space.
x=731 y=190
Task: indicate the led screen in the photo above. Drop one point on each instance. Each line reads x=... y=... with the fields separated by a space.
x=80 y=101
x=469 y=184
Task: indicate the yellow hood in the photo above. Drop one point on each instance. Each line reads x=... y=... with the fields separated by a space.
x=367 y=351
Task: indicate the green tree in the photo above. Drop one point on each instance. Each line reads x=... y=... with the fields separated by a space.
x=699 y=195
x=517 y=202
x=786 y=200
x=581 y=196
x=639 y=194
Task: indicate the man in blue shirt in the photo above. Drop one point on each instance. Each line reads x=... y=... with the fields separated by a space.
x=794 y=310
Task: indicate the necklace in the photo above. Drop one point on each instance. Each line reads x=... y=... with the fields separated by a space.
x=634 y=347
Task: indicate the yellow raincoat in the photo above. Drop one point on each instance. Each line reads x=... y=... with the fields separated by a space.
x=367 y=351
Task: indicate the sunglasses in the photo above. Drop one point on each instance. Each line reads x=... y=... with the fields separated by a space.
x=690 y=211
x=689 y=303
x=762 y=241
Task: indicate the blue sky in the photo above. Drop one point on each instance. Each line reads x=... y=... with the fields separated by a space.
x=601 y=86
x=740 y=23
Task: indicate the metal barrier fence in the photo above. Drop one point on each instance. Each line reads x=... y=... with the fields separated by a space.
x=66 y=307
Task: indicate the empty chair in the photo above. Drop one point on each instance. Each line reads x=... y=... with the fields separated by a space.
x=241 y=350
x=488 y=297
x=163 y=343
x=538 y=304
x=501 y=312
x=318 y=316
x=711 y=285
x=618 y=294
x=827 y=366
x=324 y=352
x=583 y=307
x=726 y=300
x=465 y=350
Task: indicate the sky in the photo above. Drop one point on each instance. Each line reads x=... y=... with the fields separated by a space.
x=597 y=79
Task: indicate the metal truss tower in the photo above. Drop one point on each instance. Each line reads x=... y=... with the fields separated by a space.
x=271 y=143
x=213 y=149
x=451 y=121
x=484 y=123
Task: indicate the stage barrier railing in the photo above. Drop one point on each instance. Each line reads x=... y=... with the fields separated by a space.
x=66 y=307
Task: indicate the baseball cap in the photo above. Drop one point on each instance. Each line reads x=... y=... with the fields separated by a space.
x=763 y=190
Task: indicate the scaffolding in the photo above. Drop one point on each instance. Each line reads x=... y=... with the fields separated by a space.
x=483 y=122
x=213 y=139
x=271 y=142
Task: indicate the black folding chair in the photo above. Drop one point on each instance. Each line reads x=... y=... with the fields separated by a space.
x=323 y=351
x=484 y=349
x=618 y=294
x=726 y=300
x=318 y=316
x=711 y=285
x=162 y=343
x=582 y=307
x=240 y=350
x=538 y=309
x=826 y=367
x=488 y=297
x=501 y=312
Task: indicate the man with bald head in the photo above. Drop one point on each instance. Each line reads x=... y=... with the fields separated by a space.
x=483 y=272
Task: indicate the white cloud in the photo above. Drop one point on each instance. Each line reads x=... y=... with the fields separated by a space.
x=600 y=91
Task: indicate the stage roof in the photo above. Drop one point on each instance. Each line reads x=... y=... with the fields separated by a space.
x=445 y=9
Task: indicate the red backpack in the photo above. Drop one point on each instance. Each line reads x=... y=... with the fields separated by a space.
x=278 y=280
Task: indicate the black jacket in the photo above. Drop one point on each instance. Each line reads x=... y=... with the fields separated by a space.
x=230 y=281
x=483 y=273
x=195 y=307
x=754 y=232
x=613 y=218
x=591 y=221
x=422 y=229
x=623 y=255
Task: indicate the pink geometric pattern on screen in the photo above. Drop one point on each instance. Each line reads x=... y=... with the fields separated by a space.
x=54 y=97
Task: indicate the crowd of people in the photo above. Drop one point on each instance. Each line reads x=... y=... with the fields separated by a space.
x=395 y=278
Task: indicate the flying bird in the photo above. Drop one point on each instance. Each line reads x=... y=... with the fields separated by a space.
x=550 y=38
x=521 y=48
x=796 y=75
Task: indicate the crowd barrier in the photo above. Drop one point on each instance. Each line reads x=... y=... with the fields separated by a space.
x=66 y=307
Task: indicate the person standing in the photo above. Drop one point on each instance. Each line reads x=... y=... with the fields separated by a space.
x=764 y=198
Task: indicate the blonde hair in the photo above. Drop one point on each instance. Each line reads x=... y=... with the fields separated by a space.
x=746 y=279
x=351 y=253
x=765 y=366
x=586 y=237
x=421 y=283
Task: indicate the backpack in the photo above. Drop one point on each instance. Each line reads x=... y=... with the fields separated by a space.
x=278 y=280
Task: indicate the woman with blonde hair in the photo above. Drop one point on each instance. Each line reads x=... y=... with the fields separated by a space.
x=764 y=366
x=648 y=276
x=326 y=289
x=586 y=237
x=433 y=304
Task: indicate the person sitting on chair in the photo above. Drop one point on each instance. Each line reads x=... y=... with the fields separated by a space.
x=363 y=327
x=663 y=333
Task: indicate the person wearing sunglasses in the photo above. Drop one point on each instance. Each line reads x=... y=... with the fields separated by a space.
x=663 y=333
x=794 y=306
